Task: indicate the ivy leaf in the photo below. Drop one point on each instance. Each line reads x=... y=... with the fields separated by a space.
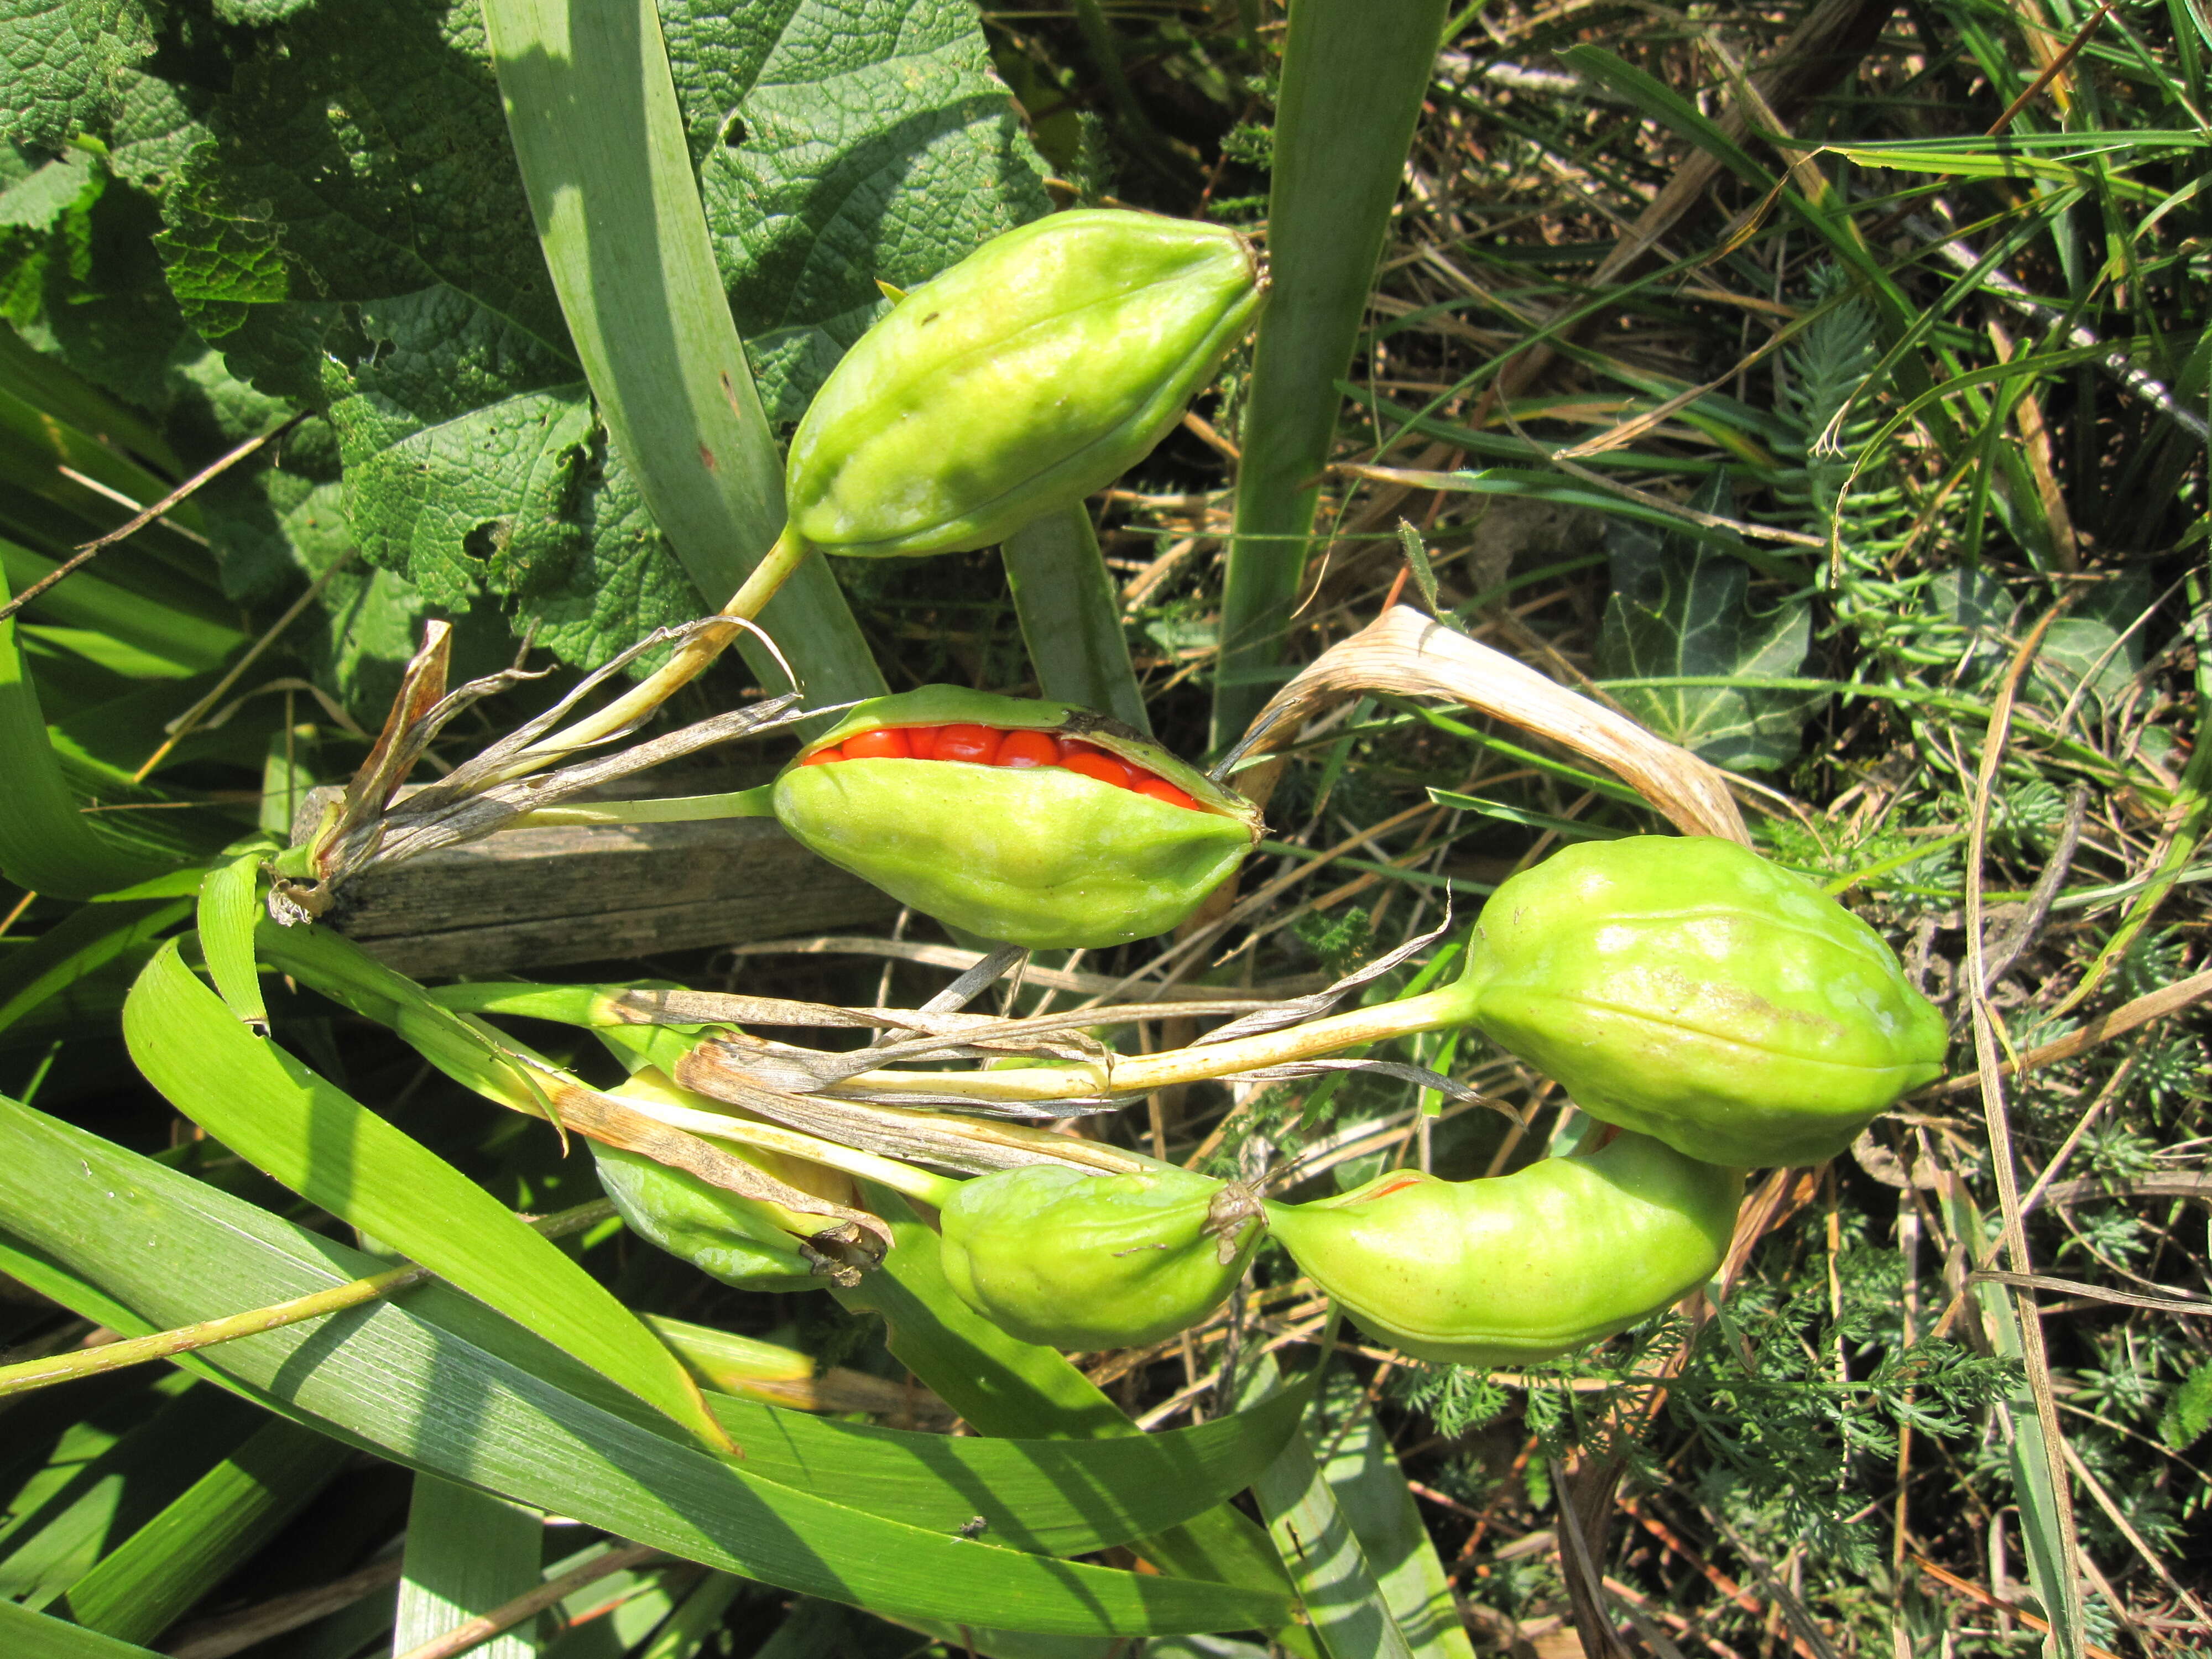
x=836 y=148
x=1680 y=607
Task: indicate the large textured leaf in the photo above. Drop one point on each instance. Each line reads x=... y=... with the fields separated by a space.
x=441 y=1383
x=1680 y=609
x=59 y=63
x=311 y=1135
x=838 y=145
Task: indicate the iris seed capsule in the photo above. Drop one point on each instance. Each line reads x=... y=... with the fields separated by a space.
x=1013 y=384
x=1083 y=1261
x=1685 y=987
x=1511 y=1269
x=1043 y=856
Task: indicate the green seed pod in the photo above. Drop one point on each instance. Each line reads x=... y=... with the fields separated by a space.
x=1039 y=368
x=1688 y=988
x=731 y=1238
x=1084 y=1261
x=1043 y=857
x=1520 y=1267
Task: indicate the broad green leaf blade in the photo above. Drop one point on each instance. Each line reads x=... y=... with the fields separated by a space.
x=311 y=1135
x=600 y=140
x=1370 y=1488
x=433 y=1382
x=229 y=903
x=81 y=943
x=157 y=1573
x=1352 y=83
x=45 y=844
x=1681 y=608
x=696 y=1618
x=1064 y=1497
x=27 y=1635
x=1319 y=1548
x=1070 y=616
x=467 y=1552
x=1005 y=1387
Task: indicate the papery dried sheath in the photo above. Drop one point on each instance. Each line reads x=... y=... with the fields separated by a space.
x=1036 y=370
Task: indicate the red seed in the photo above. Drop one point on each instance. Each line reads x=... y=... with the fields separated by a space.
x=921 y=741
x=1028 y=750
x=978 y=744
x=1095 y=763
x=883 y=743
x=824 y=756
x=1161 y=790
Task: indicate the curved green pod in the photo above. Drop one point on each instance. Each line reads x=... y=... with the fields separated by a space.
x=1045 y=858
x=1039 y=368
x=736 y=1240
x=1685 y=987
x=1083 y=1261
x=1515 y=1268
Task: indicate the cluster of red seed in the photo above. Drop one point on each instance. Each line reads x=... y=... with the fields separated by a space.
x=991 y=745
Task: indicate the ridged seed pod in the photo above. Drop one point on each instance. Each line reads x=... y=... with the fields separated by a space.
x=1041 y=855
x=1517 y=1268
x=1036 y=370
x=1685 y=987
x=1083 y=1261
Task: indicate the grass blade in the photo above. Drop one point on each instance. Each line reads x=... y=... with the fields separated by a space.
x=46 y=845
x=81 y=943
x=600 y=138
x=1352 y=84
x=315 y=1138
x=229 y=903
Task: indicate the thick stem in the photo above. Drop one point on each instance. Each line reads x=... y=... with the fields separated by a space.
x=671 y=809
x=690 y=661
x=1136 y=1074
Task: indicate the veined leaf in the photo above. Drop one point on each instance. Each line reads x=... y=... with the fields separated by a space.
x=318 y=1141
x=440 y=1382
x=467 y=1552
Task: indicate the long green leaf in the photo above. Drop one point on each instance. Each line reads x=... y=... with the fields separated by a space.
x=442 y=1384
x=1354 y=72
x=1071 y=616
x=599 y=136
x=467 y=1552
x=1321 y=1549
x=318 y=1141
x=27 y=1635
x=229 y=902
x=157 y=1573
x=45 y=844
x=81 y=943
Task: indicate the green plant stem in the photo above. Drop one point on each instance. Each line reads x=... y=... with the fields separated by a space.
x=1354 y=73
x=29 y=1374
x=670 y=809
x=692 y=659
x=1432 y=1011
